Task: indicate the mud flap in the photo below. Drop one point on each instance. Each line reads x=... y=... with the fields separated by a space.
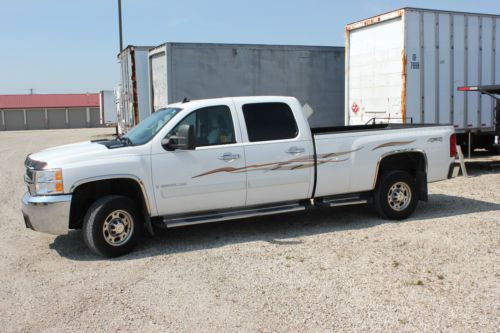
x=422 y=186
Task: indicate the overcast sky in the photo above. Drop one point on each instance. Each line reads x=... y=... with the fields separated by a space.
x=71 y=46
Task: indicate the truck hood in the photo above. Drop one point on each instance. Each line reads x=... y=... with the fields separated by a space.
x=57 y=156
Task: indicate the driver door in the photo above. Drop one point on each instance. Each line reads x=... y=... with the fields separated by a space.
x=210 y=177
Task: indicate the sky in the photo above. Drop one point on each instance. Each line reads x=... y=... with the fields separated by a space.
x=70 y=46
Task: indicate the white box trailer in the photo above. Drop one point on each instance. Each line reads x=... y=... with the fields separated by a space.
x=406 y=65
x=313 y=74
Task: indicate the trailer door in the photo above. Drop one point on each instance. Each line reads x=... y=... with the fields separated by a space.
x=375 y=69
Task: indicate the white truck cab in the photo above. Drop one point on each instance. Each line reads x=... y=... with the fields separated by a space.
x=228 y=158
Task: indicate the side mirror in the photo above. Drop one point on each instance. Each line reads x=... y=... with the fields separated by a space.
x=184 y=140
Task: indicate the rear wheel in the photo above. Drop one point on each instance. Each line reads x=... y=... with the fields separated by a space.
x=112 y=226
x=396 y=196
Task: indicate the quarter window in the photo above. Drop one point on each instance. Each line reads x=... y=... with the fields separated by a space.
x=269 y=121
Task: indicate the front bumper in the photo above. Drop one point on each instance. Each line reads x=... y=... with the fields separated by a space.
x=454 y=170
x=49 y=214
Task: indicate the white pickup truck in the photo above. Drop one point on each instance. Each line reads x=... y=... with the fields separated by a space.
x=228 y=158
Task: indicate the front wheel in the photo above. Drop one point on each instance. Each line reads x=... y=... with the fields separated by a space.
x=112 y=226
x=396 y=196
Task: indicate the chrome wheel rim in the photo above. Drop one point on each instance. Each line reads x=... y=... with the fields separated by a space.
x=118 y=227
x=399 y=196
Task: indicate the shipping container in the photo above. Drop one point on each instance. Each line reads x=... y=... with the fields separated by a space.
x=313 y=74
x=406 y=66
x=134 y=87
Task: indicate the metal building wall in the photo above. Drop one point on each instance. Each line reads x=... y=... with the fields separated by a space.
x=47 y=118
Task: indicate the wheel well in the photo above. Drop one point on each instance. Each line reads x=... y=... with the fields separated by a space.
x=87 y=193
x=415 y=163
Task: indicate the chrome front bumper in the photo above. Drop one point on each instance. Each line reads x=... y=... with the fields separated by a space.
x=49 y=214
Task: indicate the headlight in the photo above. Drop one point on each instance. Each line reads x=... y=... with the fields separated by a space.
x=48 y=182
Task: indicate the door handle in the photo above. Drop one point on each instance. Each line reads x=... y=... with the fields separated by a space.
x=228 y=157
x=295 y=150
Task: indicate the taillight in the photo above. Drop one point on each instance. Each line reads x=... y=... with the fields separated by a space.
x=453 y=145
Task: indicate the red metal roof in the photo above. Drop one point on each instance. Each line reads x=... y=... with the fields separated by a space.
x=48 y=101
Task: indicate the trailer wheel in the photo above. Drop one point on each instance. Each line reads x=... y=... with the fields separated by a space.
x=396 y=195
x=112 y=226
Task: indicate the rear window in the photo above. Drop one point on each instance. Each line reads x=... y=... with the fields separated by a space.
x=269 y=121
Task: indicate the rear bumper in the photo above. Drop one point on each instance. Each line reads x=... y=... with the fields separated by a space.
x=48 y=214
x=454 y=170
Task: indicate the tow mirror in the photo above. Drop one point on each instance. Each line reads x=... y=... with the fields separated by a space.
x=184 y=140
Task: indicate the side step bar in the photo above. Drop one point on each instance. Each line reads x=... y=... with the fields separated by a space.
x=183 y=220
x=354 y=199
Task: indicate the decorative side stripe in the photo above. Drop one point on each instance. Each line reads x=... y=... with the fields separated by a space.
x=393 y=143
x=293 y=164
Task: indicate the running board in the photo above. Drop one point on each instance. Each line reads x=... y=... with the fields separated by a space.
x=179 y=221
x=342 y=201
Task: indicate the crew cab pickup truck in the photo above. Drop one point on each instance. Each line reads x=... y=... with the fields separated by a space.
x=228 y=158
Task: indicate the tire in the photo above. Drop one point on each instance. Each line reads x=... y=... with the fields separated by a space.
x=396 y=195
x=112 y=226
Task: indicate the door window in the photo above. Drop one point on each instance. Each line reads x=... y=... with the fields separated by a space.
x=269 y=121
x=213 y=126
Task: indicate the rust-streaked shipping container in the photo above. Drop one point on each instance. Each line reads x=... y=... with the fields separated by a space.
x=406 y=66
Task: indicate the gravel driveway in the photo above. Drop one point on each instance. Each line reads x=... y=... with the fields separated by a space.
x=323 y=271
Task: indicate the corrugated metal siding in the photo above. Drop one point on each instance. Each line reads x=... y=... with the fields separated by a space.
x=456 y=49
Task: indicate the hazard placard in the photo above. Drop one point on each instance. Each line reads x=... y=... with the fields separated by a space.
x=355 y=107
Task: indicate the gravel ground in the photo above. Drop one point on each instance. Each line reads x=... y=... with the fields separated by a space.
x=327 y=270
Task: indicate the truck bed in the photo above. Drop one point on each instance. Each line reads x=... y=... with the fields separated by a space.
x=371 y=127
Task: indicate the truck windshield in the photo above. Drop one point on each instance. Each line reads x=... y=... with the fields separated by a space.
x=147 y=129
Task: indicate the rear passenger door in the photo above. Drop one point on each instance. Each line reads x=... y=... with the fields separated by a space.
x=279 y=158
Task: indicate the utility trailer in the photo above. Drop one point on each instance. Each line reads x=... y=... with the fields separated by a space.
x=405 y=66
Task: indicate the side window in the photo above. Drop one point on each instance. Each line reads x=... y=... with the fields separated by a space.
x=213 y=126
x=269 y=121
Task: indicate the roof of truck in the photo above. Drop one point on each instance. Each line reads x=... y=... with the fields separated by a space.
x=247 y=99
